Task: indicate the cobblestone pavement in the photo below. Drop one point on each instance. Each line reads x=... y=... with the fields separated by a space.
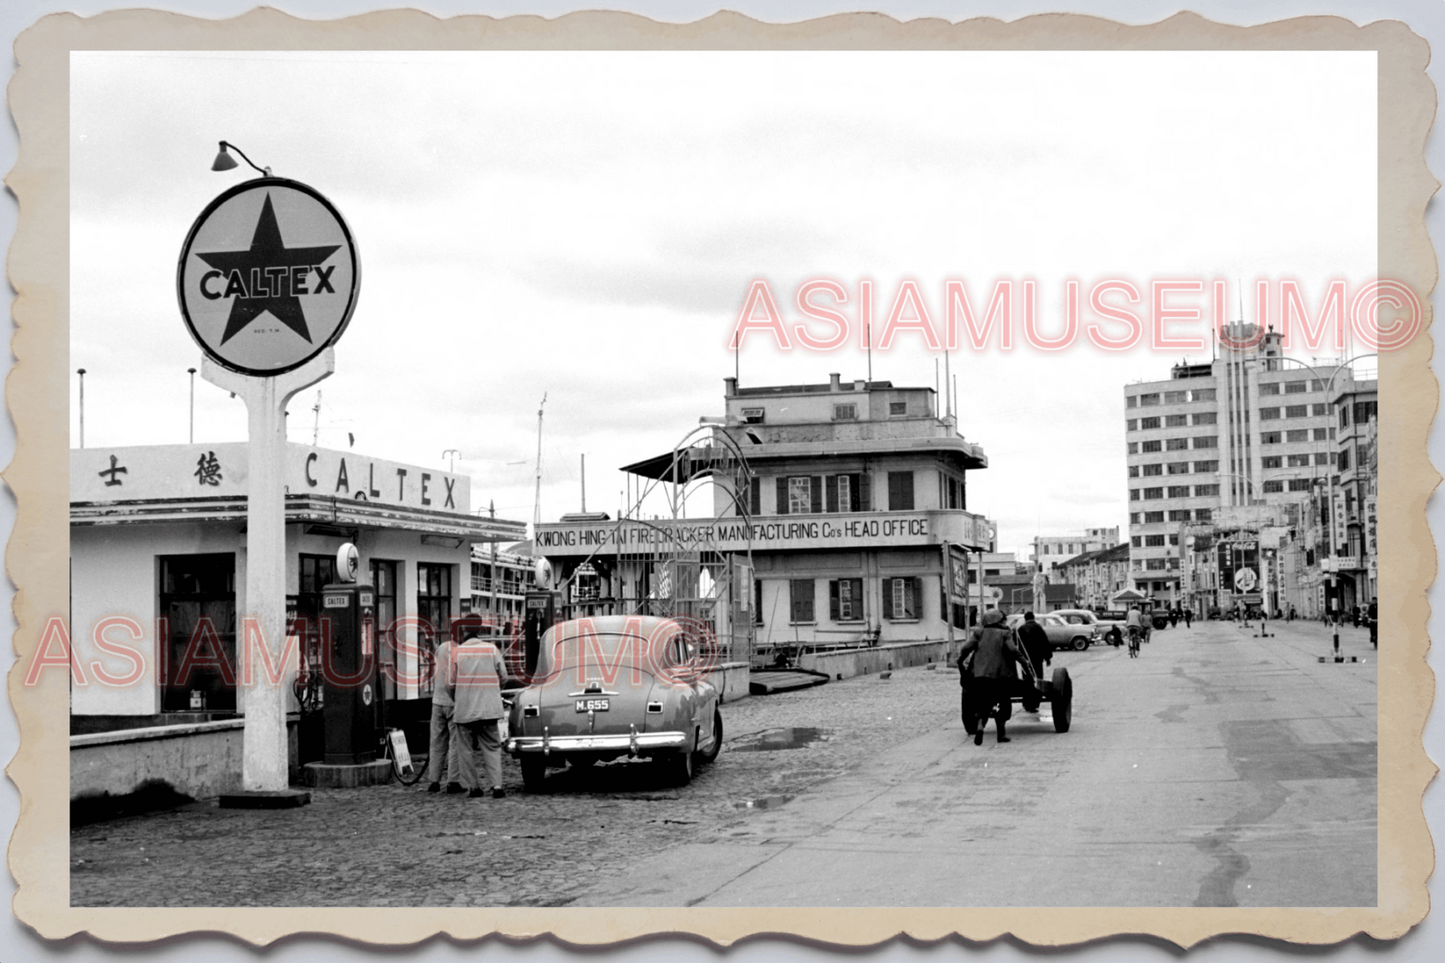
x=398 y=846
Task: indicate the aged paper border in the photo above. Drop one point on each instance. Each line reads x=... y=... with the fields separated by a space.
x=37 y=391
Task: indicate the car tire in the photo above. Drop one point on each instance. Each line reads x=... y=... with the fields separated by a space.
x=1080 y=643
x=534 y=774
x=717 y=737
x=1062 y=703
x=677 y=766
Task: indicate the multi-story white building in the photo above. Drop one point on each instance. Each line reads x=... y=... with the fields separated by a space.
x=1051 y=551
x=1250 y=428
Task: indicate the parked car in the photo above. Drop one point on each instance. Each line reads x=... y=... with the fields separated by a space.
x=616 y=686
x=1111 y=630
x=1064 y=631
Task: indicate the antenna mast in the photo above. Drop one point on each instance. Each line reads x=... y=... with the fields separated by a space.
x=316 y=423
x=537 y=499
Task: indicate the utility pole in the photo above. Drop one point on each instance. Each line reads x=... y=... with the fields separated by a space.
x=537 y=498
x=492 y=513
x=192 y=373
x=584 y=481
x=81 y=372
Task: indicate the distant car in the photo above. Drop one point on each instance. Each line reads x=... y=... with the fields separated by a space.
x=1111 y=630
x=1064 y=631
x=616 y=686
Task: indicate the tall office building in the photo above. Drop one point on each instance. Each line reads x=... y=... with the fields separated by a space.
x=1250 y=428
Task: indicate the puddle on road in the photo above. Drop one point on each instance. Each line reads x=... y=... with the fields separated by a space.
x=763 y=802
x=772 y=740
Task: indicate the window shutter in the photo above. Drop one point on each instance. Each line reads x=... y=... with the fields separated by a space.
x=854 y=496
x=888 y=598
x=782 y=495
x=833 y=600
x=755 y=496
x=865 y=492
x=831 y=487
x=816 y=494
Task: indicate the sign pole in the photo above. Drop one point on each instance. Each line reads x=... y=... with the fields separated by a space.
x=264 y=743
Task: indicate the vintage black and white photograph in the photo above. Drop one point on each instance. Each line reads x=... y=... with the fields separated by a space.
x=725 y=478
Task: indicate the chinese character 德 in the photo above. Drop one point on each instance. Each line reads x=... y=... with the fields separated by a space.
x=208 y=470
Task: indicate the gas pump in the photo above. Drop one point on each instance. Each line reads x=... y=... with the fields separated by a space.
x=352 y=704
x=539 y=614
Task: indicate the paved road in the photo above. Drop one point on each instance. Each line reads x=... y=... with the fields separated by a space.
x=1218 y=769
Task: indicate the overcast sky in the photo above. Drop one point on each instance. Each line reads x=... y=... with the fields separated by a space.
x=586 y=225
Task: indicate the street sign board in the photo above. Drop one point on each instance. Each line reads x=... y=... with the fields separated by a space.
x=268 y=276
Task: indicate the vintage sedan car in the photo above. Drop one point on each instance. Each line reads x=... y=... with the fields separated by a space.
x=1111 y=629
x=616 y=686
x=1065 y=631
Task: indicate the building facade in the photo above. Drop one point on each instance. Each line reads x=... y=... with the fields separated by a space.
x=1050 y=551
x=1097 y=576
x=848 y=508
x=1251 y=428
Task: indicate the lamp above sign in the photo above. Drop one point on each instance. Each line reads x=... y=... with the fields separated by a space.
x=268 y=276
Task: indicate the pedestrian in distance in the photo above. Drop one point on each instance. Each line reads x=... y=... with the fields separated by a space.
x=441 y=748
x=1134 y=621
x=1373 y=616
x=1035 y=644
x=1187 y=617
x=1290 y=617
x=989 y=659
x=1173 y=617
x=476 y=689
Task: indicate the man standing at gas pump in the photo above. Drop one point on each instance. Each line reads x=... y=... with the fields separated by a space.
x=442 y=748
x=476 y=689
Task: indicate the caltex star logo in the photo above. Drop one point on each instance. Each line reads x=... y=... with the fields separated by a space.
x=269 y=278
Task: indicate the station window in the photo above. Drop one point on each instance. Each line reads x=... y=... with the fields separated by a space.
x=1344 y=464
x=897 y=408
x=901 y=596
x=1130 y=401
x=800 y=599
x=845 y=412
x=845 y=600
x=434 y=599
x=1365 y=410
x=900 y=491
x=754 y=416
x=1133 y=518
x=198 y=600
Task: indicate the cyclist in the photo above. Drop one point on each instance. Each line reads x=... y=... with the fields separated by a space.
x=1135 y=624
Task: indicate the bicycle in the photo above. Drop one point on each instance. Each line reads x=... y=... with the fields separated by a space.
x=1133 y=642
x=407 y=770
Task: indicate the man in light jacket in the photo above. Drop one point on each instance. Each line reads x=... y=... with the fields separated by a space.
x=475 y=682
x=441 y=747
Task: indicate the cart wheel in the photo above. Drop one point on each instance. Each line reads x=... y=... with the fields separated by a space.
x=970 y=719
x=1062 y=703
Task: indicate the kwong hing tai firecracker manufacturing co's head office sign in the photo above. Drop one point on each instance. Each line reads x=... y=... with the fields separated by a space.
x=268 y=276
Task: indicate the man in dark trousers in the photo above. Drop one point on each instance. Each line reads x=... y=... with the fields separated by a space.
x=1188 y=617
x=1036 y=646
x=1372 y=615
x=990 y=676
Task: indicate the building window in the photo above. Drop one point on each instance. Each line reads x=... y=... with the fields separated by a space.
x=1136 y=541
x=1179 y=468
x=1203 y=514
x=1133 y=471
x=1133 y=424
x=1151 y=446
x=1271 y=461
x=1204 y=491
x=845 y=412
x=1203 y=394
x=1269 y=388
x=1299 y=484
x=757 y=601
x=1297 y=411
x=1153 y=541
x=198 y=601
x=1148 y=423
x=754 y=416
x=1297 y=434
x=1324 y=434
x=383 y=580
x=1133 y=494
x=842 y=493
x=1206 y=441
x=1295 y=388
x=1269 y=438
x=800 y=599
x=1298 y=461
x=900 y=491
x=1133 y=518
x=1133 y=448
x=1322 y=458
x=1179 y=515
x=1174 y=539
x=1344 y=416
x=897 y=408
x=1176 y=444
x=1366 y=410
x=1319 y=411
x=902 y=597
x=1155 y=469
x=1130 y=400
x=800 y=494
x=1274 y=485
x=1154 y=564
x=1344 y=464
x=1206 y=418
x=1148 y=400
x=845 y=600
x=434 y=598
x=755 y=495
x=1151 y=518
x=1174 y=397
x=1268 y=414
x=1205 y=467
x=1152 y=493
x=1178 y=491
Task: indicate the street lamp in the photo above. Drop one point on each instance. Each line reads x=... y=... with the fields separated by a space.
x=81 y=372
x=225 y=161
x=192 y=373
x=453 y=455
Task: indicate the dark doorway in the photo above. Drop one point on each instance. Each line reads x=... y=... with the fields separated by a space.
x=198 y=602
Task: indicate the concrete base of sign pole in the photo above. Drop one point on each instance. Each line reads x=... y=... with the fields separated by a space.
x=266 y=668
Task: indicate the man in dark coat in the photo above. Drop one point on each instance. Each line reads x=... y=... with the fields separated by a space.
x=991 y=673
x=1035 y=642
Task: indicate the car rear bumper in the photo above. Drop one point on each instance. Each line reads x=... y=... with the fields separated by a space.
x=612 y=742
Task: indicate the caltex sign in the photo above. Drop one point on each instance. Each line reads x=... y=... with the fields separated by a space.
x=268 y=276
